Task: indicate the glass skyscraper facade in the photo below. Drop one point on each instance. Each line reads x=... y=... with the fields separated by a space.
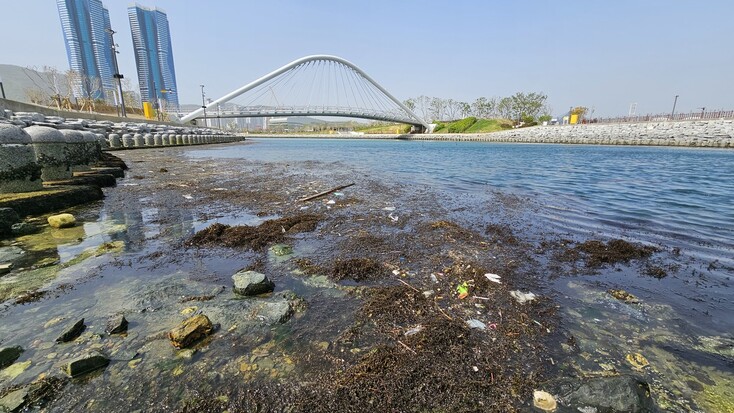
x=85 y=24
x=153 y=56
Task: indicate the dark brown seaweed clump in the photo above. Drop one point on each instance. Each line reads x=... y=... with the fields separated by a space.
x=255 y=238
x=598 y=253
x=358 y=269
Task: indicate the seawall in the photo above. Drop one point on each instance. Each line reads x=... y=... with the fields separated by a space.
x=705 y=133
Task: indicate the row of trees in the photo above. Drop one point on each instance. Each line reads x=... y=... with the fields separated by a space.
x=73 y=90
x=520 y=107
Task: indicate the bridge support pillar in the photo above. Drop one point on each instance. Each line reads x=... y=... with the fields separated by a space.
x=417 y=129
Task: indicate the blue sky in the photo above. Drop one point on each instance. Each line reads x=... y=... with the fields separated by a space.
x=600 y=54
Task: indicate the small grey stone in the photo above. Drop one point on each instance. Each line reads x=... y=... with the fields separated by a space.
x=117 y=324
x=250 y=283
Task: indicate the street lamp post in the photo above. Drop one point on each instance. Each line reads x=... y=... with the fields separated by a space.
x=672 y=114
x=117 y=74
x=203 y=103
x=160 y=102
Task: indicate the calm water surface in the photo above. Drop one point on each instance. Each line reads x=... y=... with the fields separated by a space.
x=682 y=197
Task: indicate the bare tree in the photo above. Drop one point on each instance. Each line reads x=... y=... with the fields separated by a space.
x=437 y=108
x=48 y=81
x=88 y=89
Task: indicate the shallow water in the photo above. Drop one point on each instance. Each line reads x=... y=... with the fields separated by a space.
x=673 y=198
x=680 y=200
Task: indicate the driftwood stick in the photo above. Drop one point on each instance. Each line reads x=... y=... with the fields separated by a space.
x=408 y=285
x=320 y=194
x=406 y=346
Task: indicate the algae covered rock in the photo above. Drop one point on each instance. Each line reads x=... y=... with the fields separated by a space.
x=281 y=250
x=72 y=332
x=86 y=364
x=250 y=283
x=190 y=331
x=8 y=355
x=62 y=221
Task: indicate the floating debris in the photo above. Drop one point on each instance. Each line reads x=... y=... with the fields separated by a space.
x=623 y=295
x=637 y=360
x=493 y=277
x=522 y=297
x=474 y=323
x=544 y=401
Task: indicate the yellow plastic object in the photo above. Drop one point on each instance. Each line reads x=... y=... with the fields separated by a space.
x=148 y=110
x=574 y=119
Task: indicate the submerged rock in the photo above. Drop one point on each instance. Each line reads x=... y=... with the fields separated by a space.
x=615 y=394
x=8 y=355
x=23 y=228
x=86 y=364
x=13 y=401
x=190 y=331
x=62 y=221
x=8 y=217
x=117 y=324
x=250 y=283
x=72 y=332
x=281 y=250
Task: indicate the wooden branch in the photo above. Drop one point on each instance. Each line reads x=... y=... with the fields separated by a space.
x=320 y=194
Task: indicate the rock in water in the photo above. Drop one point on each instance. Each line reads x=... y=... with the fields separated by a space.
x=190 y=331
x=72 y=332
x=252 y=283
x=13 y=401
x=281 y=250
x=62 y=221
x=86 y=364
x=116 y=324
x=8 y=217
x=614 y=394
x=8 y=355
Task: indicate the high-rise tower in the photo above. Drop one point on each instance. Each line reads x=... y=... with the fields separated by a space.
x=86 y=25
x=153 y=55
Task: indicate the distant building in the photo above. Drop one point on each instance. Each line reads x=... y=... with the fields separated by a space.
x=153 y=56
x=85 y=24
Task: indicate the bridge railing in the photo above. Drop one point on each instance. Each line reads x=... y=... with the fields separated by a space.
x=307 y=111
x=663 y=117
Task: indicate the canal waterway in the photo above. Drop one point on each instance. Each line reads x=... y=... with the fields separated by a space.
x=679 y=200
x=517 y=208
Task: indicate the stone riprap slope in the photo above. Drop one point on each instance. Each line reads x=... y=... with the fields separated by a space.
x=705 y=133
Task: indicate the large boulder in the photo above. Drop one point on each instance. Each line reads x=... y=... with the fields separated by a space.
x=601 y=394
x=19 y=171
x=190 y=331
x=251 y=283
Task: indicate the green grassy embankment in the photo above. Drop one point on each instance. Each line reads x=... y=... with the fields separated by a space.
x=473 y=125
x=397 y=128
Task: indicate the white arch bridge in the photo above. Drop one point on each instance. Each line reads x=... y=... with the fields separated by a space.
x=318 y=85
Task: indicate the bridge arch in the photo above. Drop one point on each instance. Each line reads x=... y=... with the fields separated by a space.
x=398 y=113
